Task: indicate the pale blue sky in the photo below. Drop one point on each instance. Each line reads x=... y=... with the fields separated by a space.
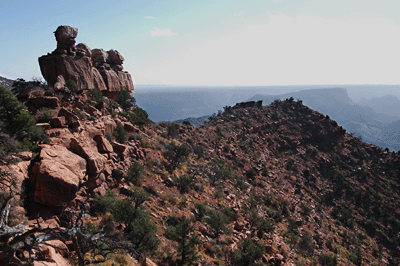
x=226 y=42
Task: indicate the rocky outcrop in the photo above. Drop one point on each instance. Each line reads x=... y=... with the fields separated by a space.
x=58 y=174
x=87 y=68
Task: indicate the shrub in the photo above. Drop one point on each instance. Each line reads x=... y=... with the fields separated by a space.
x=184 y=183
x=13 y=113
x=143 y=234
x=120 y=133
x=187 y=123
x=306 y=244
x=199 y=151
x=176 y=154
x=43 y=115
x=97 y=95
x=125 y=99
x=202 y=210
x=326 y=260
x=71 y=85
x=247 y=253
x=227 y=148
x=36 y=135
x=251 y=173
x=228 y=109
x=172 y=129
x=108 y=136
x=187 y=242
x=135 y=173
x=217 y=221
x=103 y=204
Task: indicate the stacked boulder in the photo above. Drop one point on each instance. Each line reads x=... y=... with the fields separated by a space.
x=87 y=68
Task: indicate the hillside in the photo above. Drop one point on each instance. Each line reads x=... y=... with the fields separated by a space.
x=274 y=185
x=363 y=121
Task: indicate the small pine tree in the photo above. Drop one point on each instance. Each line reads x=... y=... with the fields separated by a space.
x=187 y=242
x=120 y=133
x=176 y=154
x=247 y=253
x=125 y=99
x=135 y=173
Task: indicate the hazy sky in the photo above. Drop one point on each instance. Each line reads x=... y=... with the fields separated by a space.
x=216 y=42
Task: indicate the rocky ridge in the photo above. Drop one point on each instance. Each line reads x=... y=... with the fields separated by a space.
x=325 y=193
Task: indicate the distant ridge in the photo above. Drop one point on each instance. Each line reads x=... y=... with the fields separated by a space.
x=375 y=128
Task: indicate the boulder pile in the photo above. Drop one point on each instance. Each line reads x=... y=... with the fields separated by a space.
x=85 y=67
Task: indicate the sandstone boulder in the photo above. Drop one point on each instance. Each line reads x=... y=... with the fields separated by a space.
x=58 y=174
x=87 y=148
x=103 y=145
x=43 y=101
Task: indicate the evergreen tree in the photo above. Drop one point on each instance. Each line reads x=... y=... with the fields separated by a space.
x=13 y=113
x=187 y=242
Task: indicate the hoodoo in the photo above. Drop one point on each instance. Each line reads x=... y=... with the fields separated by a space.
x=87 y=68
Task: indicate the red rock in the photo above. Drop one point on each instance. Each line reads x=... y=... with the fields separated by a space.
x=149 y=262
x=59 y=173
x=25 y=155
x=110 y=125
x=87 y=148
x=87 y=68
x=115 y=57
x=69 y=116
x=85 y=48
x=93 y=111
x=120 y=147
x=55 y=184
x=98 y=80
x=103 y=145
x=57 y=122
x=130 y=128
x=43 y=101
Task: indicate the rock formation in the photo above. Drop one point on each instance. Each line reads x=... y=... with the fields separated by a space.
x=87 y=68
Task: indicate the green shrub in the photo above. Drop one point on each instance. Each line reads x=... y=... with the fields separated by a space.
x=143 y=234
x=37 y=136
x=326 y=260
x=199 y=151
x=125 y=99
x=14 y=115
x=247 y=253
x=172 y=130
x=120 y=133
x=135 y=173
x=187 y=123
x=202 y=210
x=176 y=154
x=71 y=85
x=184 y=183
x=97 y=95
x=43 y=115
x=187 y=242
x=217 y=221
x=251 y=173
x=306 y=244
x=103 y=204
x=109 y=136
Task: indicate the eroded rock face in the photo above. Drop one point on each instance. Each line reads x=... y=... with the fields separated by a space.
x=87 y=68
x=58 y=174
